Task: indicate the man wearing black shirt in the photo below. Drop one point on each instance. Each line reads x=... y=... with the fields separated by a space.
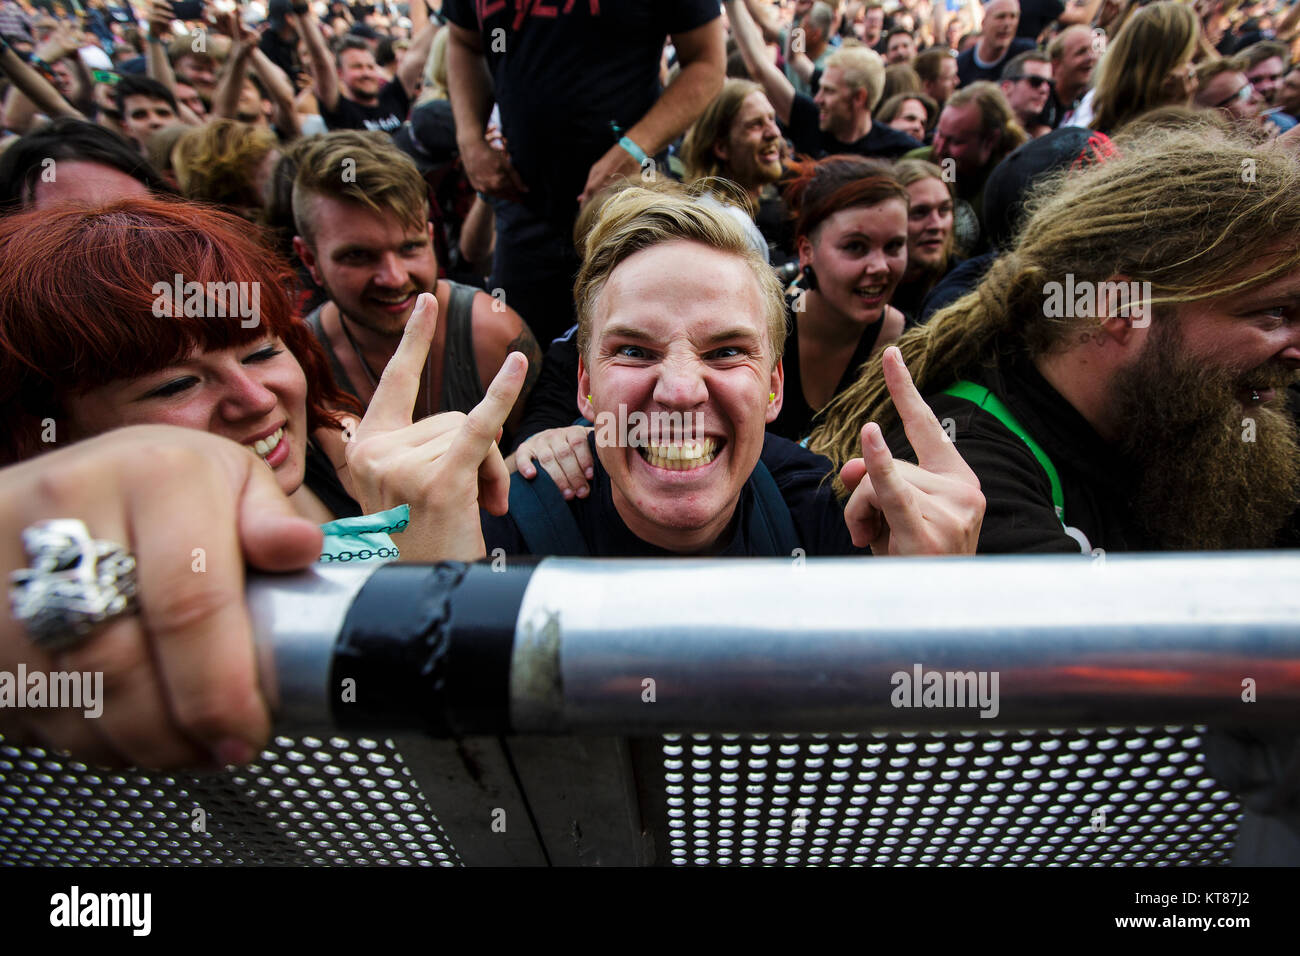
x=349 y=86
x=280 y=40
x=1035 y=15
x=1074 y=55
x=581 y=106
x=998 y=43
x=838 y=119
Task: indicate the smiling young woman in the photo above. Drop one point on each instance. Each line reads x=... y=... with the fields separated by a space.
x=851 y=231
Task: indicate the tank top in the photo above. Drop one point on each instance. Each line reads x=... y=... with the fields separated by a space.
x=462 y=388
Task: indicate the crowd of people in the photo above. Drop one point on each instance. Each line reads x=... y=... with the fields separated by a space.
x=826 y=278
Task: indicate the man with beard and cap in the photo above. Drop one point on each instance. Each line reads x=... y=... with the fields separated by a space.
x=1156 y=423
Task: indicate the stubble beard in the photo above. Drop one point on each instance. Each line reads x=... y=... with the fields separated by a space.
x=1201 y=483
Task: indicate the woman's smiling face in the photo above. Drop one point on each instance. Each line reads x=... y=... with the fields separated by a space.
x=255 y=395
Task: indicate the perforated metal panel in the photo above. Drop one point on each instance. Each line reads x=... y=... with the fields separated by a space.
x=961 y=798
x=306 y=801
x=1005 y=798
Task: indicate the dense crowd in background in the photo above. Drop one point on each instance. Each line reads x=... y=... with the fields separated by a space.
x=936 y=278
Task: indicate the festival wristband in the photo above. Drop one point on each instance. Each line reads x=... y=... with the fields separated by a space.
x=633 y=150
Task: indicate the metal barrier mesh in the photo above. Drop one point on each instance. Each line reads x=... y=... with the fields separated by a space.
x=307 y=801
x=1009 y=798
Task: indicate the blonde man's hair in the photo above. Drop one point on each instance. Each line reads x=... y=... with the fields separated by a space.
x=712 y=128
x=360 y=167
x=1132 y=75
x=215 y=162
x=636 y=217
x=863 y=69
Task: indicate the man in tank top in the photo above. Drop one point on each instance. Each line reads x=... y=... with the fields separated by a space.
x=361 y=211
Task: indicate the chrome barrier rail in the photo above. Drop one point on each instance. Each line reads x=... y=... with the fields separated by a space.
x=727 y=713
x=568 y=646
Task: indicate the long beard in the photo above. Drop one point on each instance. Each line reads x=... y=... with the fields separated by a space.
x=1212 y=475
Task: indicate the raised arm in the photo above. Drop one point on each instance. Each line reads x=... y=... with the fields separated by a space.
x=423 y=30
x=19 y=110
x=280 y=89
x=157 y=66
x=780 y=91
x=702 y=55
x=767 y=20
x=325 y=78
x=230 y=84
x=40 y=91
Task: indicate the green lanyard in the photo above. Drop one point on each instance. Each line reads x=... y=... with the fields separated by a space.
x=986 y=400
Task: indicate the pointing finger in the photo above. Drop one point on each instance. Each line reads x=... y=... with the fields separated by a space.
x=394 y=397
x=485 y=421
x=933 y=449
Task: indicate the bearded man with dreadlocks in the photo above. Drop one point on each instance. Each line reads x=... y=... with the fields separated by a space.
x=1120 y=380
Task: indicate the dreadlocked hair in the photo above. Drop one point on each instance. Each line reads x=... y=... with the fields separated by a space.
x=1197 y=213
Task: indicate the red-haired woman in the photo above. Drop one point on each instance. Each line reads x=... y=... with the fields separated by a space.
x=157 y=312
x=851 y=235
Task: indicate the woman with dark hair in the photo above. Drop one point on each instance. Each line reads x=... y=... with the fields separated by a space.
x=154 y=312
x=851 y=232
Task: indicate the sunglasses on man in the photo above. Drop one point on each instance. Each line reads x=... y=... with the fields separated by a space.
x=1037 y=82
x=1237 y=97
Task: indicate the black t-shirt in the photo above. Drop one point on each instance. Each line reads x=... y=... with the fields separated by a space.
x=1035 y=15
x=283 y=53
x=563 y=73
x=1019 y=517
x=799 y=474
x=388 y=115
x=795 y=420
x=882 y=142
x=969 y=71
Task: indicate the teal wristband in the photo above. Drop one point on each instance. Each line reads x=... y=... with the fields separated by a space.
x=633 y=150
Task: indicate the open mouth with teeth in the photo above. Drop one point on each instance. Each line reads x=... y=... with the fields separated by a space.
x=684 y=456
x=871 y=294
x=272 y=449
x=393 y=303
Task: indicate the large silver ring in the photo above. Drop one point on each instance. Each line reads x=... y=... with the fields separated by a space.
x=74 y=583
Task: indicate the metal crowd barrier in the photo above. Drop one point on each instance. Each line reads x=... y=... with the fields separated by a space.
x=718 y=712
